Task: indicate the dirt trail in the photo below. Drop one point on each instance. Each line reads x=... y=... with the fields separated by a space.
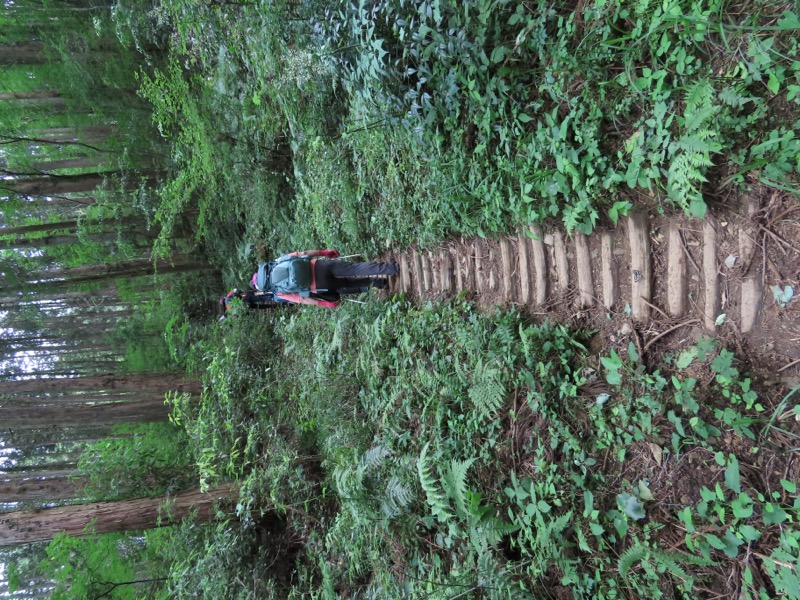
x=654 y=280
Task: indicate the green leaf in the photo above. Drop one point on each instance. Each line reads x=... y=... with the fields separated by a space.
x=742 y=507
x=686 y=357
x=732 y=544
x=613 y=377
x=773 y=84
x=749 y=533
x=632 y=354
x=499 y=53
x=782 y=295
x=729 y=544
x=732 y=474
x=789 y=486
x=697 y=208
x=631 y=506
x=611 y=362
x=773 y=515
x=722 y=365
x=714 y=541
x=788 y=21
x=588 y=503
x=644 y=491
x=707 y=494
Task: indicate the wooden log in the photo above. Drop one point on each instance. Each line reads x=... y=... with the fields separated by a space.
x=676 y=272
x=641 y=270
x=539 y=265
x=583 y=265
x=610 y=285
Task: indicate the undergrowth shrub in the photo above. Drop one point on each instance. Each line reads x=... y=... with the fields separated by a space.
x=436 y=450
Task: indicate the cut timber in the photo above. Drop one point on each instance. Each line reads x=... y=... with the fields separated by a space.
x=467 y=263
x=676 y=272
x=524 y=272
x=539 y=265
x=710 y=274
x=446 y=271
x=508 y=270
x=405 y=276
x=609 y=271
x=641 y=272
x=426 y=272
x=435 y=278
x=583 y=264
x=492 y=273
x=417 y=262
x=752 y=290
x=479 y=247
x=562 y=265
x=457 y=262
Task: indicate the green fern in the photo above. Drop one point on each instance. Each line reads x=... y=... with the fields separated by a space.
x=349 y=481
x=666 y=561
x=437 y=500
x=632 y=555
x=690 y=154
x=373 y=458
x=455 y=480
x=396 y=499
x=487 y=391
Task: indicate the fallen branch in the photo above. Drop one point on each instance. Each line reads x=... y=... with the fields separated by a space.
x=670 y=330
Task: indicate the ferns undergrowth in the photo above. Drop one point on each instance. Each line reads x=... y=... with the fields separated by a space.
x=437 y=452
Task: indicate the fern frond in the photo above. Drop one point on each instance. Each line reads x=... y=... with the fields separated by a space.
x=397 y=497
x=433 y=494
x=668 y=563
x=699 y=93
x=487 y=391
x=349 y=481
x=632 y=555
x=372 y=458
x=693 y=144
x=497 y=528
x=732 y=96
x=455 y=480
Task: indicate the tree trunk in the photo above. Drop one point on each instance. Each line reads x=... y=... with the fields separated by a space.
x=49 y=185
x=161 y=383
x=80 y=162
x=89 y=134
x=114 y=413
x=18 y=528
x=132 y=268
x=26 y=53
x=28 y=229
x=41 y=485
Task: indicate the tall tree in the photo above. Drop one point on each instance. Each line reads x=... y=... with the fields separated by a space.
x=26 y=527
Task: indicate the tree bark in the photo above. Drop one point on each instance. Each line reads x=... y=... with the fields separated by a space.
x=80 y=162
x=132 y=268
x=41 y=485
x=161 y=382
x=18 y=528
x=49 y=185
x=28 y=229
x=25 y=53
x=114 y=413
